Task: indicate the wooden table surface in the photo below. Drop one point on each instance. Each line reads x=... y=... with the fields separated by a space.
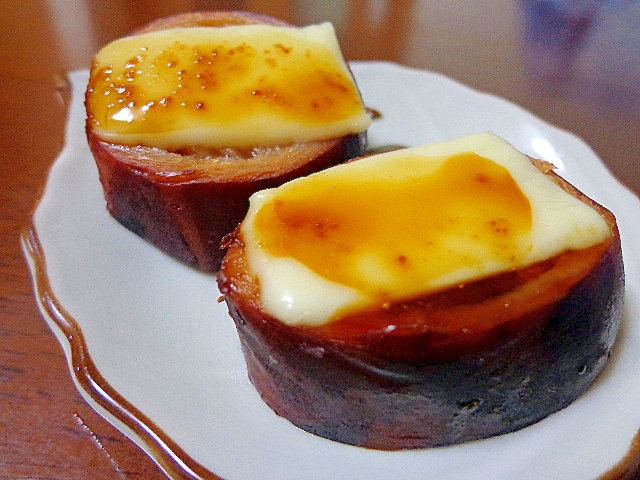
x=574 y=63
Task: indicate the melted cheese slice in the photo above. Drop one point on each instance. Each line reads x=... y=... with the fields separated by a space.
x=399 y=225
x=235 y=86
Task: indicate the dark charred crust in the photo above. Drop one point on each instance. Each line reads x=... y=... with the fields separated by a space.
x=177 y=201
x=417 y=387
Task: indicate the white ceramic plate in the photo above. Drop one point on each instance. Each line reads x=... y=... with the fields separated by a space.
x=158 y=355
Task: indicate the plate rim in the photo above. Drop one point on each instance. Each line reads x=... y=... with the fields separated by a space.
x=32 y=250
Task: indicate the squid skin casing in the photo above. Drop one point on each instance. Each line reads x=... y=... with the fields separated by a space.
x=186 y=212
x=413 y=387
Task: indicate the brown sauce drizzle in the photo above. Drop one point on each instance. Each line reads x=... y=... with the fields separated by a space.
x=373 y=113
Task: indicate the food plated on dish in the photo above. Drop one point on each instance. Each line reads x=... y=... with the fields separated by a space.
x=186 y=373
x=190 y=115
x=424 y=297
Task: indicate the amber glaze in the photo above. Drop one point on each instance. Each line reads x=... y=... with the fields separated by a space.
x=302 y=221
x=204 y=83
x=185 y=202
x=47 y=429
x=464 y=364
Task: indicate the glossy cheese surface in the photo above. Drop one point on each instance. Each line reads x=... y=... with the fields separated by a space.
x=235 y=86
x=404 y=224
